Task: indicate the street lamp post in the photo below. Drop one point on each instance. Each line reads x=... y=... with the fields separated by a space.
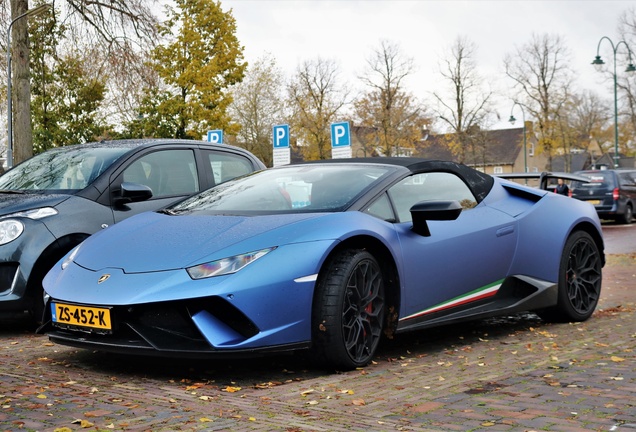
x=33 y=11
x=512 y=120
x=598 y=63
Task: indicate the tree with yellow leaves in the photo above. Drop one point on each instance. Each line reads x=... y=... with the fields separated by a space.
x=198 y=65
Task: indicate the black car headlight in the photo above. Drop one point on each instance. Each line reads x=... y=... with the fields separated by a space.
x=11 y=229
x=226 y=266
x=36 y=214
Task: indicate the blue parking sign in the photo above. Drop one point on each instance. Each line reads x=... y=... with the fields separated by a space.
x=340 y=136
x=215 y=136
x=281 y=136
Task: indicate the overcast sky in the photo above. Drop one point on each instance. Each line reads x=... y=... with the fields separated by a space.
x=348 y=30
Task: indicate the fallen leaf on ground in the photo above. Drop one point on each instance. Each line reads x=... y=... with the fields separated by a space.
x=231 y=389
x=83 y=423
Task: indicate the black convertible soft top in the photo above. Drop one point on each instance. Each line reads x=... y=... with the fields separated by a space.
x=478 y=182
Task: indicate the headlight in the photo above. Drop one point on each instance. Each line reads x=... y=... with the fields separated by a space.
x=10 y=229
x=226 y=265
x=36 y=214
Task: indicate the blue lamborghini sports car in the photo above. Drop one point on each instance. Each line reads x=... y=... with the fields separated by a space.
x=328 y=256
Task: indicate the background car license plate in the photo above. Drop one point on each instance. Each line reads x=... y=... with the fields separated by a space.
x=594 y=202
x=82 y=316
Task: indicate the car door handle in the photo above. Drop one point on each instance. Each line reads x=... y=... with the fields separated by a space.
x=505 y=230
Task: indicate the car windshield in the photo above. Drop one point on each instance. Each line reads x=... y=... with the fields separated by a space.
x=61 y=169
x=598 y=180
x=310 y=188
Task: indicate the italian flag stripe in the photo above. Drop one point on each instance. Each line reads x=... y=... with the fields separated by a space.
x=478 y=294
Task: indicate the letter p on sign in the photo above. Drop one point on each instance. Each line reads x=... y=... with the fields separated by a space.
x=215 y=136
x=340 y=134
x=281 y=136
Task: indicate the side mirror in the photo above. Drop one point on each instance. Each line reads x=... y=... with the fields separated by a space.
x=424 y=211
x=134 y=192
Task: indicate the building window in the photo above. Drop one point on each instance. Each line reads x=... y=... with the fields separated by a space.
x=531 y=150
x=498 y=170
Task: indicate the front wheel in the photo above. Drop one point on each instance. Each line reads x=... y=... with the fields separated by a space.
x=579 y=280
x=348 y=310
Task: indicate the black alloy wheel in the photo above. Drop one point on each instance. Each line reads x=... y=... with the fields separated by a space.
x=580 y=278
x=348 y=310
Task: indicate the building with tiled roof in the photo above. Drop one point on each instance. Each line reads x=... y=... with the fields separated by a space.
x=494 y=152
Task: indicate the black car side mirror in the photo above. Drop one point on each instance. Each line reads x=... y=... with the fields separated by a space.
x=424 y=211
x=134 y=192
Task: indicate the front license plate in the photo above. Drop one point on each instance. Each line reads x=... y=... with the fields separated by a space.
x=81 y=316
x=594 y=202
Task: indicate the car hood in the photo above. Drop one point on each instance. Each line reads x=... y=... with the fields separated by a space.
x=157 y=242
x=11 y=202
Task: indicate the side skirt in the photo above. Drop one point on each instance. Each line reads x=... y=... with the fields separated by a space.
x=516 y=294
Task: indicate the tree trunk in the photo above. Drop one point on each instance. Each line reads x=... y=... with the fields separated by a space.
x=21 y=79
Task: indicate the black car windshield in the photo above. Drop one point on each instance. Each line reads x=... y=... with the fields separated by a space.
x=301 y=188
x=61 y=169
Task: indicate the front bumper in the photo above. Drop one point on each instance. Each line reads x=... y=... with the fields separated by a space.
x=198 y=328
x=17 y=261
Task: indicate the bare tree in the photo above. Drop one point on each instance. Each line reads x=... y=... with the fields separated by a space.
x=590 y=118
x=21 y=94
x=258 y=105
x=387 y=108
x=542 y=80
x=317 y=98
x=109 y=23
x=130 y=75
x=583 y=118
x=468 y=103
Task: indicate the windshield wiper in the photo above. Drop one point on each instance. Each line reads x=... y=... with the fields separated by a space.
x=7 y=191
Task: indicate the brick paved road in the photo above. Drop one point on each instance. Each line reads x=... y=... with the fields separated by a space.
x=508 y=374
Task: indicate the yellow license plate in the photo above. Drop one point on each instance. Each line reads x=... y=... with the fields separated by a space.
x=82 y=316
x=594 y=202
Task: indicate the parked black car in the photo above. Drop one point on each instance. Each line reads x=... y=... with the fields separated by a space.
x=611 y=191
x=54 y=200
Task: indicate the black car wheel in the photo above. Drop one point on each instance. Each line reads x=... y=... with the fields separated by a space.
x=628 y=215
x=348 y=310
x=579 y=280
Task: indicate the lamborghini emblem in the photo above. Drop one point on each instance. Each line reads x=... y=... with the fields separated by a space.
x=103 y=278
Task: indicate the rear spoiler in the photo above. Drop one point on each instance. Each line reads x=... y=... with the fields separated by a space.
x=544 y=177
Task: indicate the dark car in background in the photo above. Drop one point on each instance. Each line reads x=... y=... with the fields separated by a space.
x=612 y=192
x=56 y=199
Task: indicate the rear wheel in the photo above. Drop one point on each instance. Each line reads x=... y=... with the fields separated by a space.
x=628 y=215
x=579 y=280
x=348 y=310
